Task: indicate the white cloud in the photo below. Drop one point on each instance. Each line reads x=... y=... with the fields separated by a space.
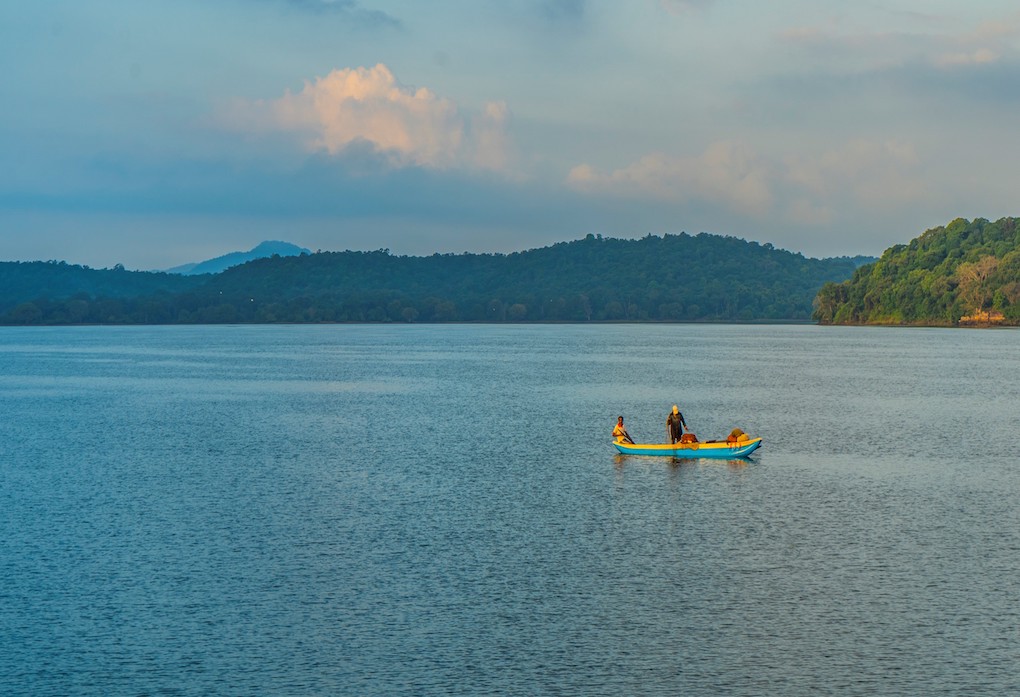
x=726 y=173
x=409 y=127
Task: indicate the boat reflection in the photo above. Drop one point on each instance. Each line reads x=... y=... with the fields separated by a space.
x=619 y=460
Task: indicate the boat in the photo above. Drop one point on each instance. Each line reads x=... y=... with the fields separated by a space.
x=712 y=449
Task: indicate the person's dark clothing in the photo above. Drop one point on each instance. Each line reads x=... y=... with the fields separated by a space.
x=676 y=425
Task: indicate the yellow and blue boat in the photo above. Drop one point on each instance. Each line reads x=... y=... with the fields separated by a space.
x=712 y=449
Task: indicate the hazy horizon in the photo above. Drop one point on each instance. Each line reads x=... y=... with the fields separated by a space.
x=197 y=262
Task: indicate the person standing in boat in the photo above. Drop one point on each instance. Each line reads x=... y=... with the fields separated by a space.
x=675 y=425
x=620 y=433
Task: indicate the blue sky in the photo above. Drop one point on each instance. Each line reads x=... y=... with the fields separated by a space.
x=161 y=132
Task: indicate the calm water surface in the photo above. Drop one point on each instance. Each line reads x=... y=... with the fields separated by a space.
x=379 y=510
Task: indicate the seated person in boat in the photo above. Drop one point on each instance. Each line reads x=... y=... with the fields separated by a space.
x=620 y=433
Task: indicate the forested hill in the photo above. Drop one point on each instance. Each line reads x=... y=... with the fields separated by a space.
x=676 y=277
x=671 y=278
x=963 y=273
x=77 y=290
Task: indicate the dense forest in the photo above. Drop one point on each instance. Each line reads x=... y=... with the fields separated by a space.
x=671 y=278
x=963 y=273
x=52 y=292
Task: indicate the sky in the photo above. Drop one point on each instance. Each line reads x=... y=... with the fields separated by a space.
x=157 y=133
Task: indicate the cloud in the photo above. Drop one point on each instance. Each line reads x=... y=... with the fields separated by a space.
x=490 y=137
x=356 y=108
x=808 y=213
x=726 y=173
x=834 y=45
x=808 y=190
x=876 y=173
x=1005 y=28
x=563 y=10
x=349 y=8
x=976 y=57
x=989 y=42
x=680 y=7
x=834 y=71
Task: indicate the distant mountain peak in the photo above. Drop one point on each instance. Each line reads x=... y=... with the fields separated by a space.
x=284 y=249
x=222 y=263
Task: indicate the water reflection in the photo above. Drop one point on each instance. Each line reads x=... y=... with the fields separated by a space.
x=619 y=460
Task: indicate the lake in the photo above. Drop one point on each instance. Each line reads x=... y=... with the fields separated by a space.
x=423 y=509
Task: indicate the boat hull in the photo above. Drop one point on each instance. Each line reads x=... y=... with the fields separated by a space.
x=723 y=451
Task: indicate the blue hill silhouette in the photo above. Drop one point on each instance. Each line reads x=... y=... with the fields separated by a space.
x=262 y=251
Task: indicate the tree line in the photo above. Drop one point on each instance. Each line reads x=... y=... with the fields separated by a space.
x=966 y=272
x=671 y=278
